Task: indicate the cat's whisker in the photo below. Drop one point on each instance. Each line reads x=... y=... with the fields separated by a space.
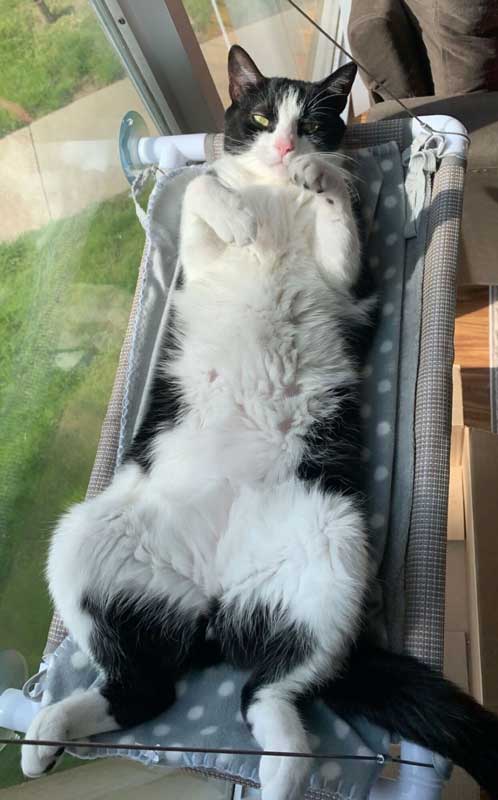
x=235 y=141
x=320 y=95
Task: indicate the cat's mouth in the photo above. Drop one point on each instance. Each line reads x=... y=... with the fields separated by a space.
x=281 y=164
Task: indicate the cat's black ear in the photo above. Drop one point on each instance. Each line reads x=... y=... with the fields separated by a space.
x=339 y=84
x=242 y=72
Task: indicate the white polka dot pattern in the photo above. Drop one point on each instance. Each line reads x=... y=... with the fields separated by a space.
x=381 y=474
x=209 y=731
x=79 y=660
x=384 y=386
x=383 y=428
x=226 y=688
x=161 y=729
x=196 y=712
x=341 y=728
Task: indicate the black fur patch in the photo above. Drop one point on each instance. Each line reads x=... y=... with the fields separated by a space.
x=143 y=652
x=267 y=642
x=166 y=403
x=333 y=445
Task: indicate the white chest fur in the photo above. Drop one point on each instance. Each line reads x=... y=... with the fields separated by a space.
x=261 y=350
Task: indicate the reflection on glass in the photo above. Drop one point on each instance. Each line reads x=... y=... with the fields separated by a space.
x=70 y=246
x=279 y=39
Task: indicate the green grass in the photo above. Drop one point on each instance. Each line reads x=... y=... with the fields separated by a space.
x=200 y=13
x=43 y=66
x=65 y=296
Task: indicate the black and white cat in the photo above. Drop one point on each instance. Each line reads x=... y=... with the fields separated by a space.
x=234 y=530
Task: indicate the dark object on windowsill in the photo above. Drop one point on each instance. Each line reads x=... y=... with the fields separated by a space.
x=417 y=48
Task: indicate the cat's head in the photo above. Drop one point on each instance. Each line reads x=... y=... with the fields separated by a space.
x=272 y=120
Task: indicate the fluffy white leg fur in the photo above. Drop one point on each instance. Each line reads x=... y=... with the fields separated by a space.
x=80 y=715
x=133 y=539
x=296 y=548
x=304 y=552
x=276 y=725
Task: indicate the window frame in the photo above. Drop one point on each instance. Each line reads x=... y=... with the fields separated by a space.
x=158 y=48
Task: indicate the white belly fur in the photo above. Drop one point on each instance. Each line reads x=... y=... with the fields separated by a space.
x=261 y=352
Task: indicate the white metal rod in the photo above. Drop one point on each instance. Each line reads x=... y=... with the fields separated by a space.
x=16 y=710
x=172 y=151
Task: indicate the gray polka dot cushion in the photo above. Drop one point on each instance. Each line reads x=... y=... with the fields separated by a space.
x=206 y=714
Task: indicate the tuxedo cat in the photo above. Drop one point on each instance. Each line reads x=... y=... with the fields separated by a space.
x=234 y=530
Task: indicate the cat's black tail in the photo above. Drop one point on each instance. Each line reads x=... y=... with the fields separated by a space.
x=408 y=698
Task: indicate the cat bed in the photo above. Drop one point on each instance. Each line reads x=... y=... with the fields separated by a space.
x=410 y=190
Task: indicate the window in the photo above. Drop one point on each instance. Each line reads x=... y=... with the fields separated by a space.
x=70 y=246
x=281 y=41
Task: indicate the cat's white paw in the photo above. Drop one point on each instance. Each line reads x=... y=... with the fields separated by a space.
x=313 y=173
x=51 y=723
x=234 y=223
x=283 y=778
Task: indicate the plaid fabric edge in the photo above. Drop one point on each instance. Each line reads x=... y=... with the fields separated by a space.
x=425 y=574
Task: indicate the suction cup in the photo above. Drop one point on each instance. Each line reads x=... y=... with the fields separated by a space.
x=13 y=670
x=133 y=128
x=13 y=675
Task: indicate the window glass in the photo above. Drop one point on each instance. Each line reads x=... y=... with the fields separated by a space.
x=70 y=247
x=279 y=39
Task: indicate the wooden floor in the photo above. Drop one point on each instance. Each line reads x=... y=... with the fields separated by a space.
x=472 y=353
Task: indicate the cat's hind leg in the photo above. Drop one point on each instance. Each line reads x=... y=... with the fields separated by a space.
x=291 y=606
x=76 y=717
x=122 y=571
x=142 y=652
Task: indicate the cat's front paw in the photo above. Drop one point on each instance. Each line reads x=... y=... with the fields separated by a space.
x=313 y=173
x=234 y=223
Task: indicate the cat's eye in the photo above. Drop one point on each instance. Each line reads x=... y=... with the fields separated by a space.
x=309 y=127
x=261 y=120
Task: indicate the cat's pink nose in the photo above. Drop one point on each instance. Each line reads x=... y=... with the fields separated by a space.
x=284 y=146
